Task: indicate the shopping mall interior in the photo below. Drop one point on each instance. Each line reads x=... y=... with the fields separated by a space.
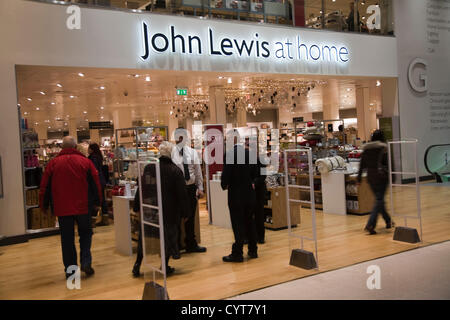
x=120 y=74
x=58 y=101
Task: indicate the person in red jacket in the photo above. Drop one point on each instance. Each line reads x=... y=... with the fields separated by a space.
x=71 y=188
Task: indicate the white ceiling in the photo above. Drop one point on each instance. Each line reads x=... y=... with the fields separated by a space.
x=146 y=100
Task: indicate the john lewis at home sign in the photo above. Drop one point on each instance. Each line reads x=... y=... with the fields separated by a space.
x=247 y=45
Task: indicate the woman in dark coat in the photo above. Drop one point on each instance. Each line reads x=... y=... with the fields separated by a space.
x=174 y=205
x=374 y=161
x=95 y=155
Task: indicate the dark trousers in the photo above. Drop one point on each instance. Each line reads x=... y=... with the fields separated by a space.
x=69 y=252
x=259 y=213
x=104 y=204
x=140 y=250
x=379 y=207
x=189 y=225
x=243 y=224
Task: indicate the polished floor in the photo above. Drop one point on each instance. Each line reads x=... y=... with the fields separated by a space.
x=421 y=274
x=33 y=270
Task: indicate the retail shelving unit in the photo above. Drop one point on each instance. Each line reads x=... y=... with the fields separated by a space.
x=136 y=143
x=37 y=223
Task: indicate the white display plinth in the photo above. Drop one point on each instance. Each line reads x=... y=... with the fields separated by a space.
x=333 y=192
x=122 y=224
x=219 y=205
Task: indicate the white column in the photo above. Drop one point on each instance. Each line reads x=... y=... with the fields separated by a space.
x=217 y=111
x=172 y=124
x=241 y=118
x=41 y=130
x=331 y=100
x=366 y=114
x=73 y=129
x=121 y=120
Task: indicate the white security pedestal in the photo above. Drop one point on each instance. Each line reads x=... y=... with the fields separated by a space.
x=219 y=205
x=333 y=192
x=122 y=224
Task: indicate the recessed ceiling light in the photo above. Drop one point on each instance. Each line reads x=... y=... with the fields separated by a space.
x=102 y=88
x=36 y=123
x=59 y=85
x=18 y=104
x=84 y=112
x=42 y=92
x=220 y=77
x=65 y=123
x=378 y=83
x=81 y=74
x=349 y=89
x=101 y=118
x=136 y=76
x=102 y=108
x=147 y=78
x=49 y=127
x=37 y=108
x=59 y=129
x=230 y=80
x=71 y=97
x=29 y=99
x=25 y=113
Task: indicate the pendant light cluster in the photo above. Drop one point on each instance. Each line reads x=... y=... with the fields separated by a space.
x=194 y=106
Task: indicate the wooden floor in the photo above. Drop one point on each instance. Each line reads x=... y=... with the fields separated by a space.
x=34 y=270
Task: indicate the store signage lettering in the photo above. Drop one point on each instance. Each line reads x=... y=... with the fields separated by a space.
x=255 y=46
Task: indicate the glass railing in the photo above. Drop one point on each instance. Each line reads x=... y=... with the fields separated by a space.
x=372 y=16
x=437 y=161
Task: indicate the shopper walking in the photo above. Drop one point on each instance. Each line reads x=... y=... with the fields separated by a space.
x=351 y=17
x=374 y=161
x=188 y=161
x=95 y=155
x=71 y=187
x=174 y=204
x=238 y=177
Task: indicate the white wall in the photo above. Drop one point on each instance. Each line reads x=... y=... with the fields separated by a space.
x=36 y=34
x=412 y=29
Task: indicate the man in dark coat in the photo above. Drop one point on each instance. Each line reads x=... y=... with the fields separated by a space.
x=71 y=188
x=174 y=205
x=238 y=177
x=374 y=160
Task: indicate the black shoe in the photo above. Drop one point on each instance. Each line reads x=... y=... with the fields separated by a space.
x=370 y=230
x=253 y=255
x=176 y=256
x=136 y=272
x=261 y=241
x=196 y=249
x=391 y=224
x=169 y=270
x=88 y=270
x=232 y=258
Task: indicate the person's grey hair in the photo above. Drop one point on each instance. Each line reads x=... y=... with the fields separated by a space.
x=165 y=149
x=69 y=143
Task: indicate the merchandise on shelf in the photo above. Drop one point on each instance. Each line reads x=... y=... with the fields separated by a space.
x=30 y=139
x=325 y=165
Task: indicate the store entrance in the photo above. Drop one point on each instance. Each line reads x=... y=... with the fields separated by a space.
x=121 y=109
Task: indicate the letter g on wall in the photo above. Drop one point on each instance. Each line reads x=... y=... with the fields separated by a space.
x=422 y=76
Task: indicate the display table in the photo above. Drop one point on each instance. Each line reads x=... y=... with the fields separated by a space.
x=333 y=192
x=122 y=224
x=219 y=205
x=278 y=209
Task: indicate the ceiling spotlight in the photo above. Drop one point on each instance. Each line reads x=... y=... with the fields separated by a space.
x=65 y=123
x=101 y=117
x=59 y=129
x=102 y=108
x=102 y=88
x=71 y=97
x=42 y=92
x=378 y=83
x=37 y=108
x=59 y=85
x=147 y=78
x=84 y=112
x=49 y=127
x=220 y=77
x=29 y=99
x=81 y=74
x=52 y=103
x=25 y=113
x=136 y=76
x=349 y=89
x=229 y=80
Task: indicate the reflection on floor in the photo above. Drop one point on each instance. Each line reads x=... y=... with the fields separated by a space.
x=34 y=270
x=411 y=275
